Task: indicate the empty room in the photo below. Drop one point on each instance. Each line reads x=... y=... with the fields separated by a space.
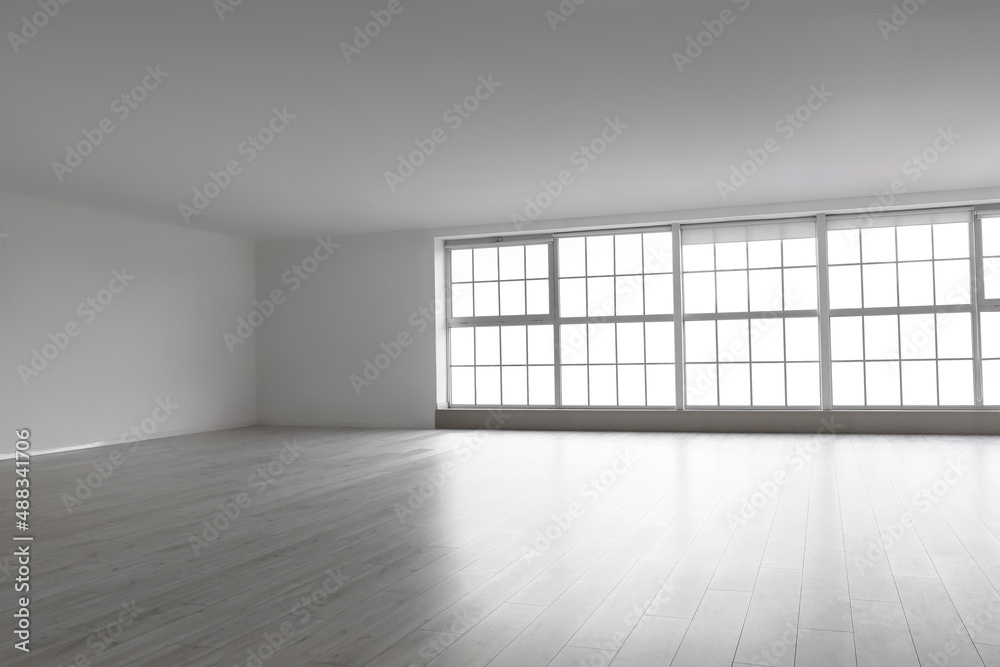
x=566 y=333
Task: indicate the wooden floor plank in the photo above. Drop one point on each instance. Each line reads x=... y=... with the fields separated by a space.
x=404 y=547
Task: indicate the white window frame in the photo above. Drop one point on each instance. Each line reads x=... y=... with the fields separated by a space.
x=978 y=304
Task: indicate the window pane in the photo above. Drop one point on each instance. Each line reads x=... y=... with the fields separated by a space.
x=990 y=335
x=657 y=250
x=702 y=384
x=659 y=294
x=600 y=297
x=600 y=255
x=512 y=298
x=734 y=384
x=846 y=339
x=882 y=337
x=848 y=383
x=991 y=236
x=540 y=344
x=844 y=246
x=485 y=264
x=916 y=336
x=951 y=240
x=659 y=342
x=488 y=346
x=991 y=272
x=768 y=384
x=699 y=341
x=574 y=385
x=916 y=284
x=603 y=385
x=513 y=346
x=572 y=257
x=952 y=282
x=954 y=335
x=488 y=385
x=734 y=340
x=487 y=297
x=536 y=264
x=765 y=290
x=463 y=346
x=461 y=266
x=919 y=383
x=767 y=340
x=573 y=297
x=955 y=382
x=602 y=343
x=730 y=256
x=802 y=339
x=631 y=344
x=845 y=287
x=698 y=257
x=628 y=254
x=537 y=297
x=699 y=292
x=800 y=252
x=803 y=384
x=573 y=343
x=732 y=291
x=628 y=295
x=632 y=385
x=660 y=387
x=764 y=254
x=914 y=242
x=882 y=382
x=541 y=385
x=878 y=244
x=463 y=386
x=515 y=385
x=461 y=300
x=800 y=289
x=511 y=262
x=991 y=382
x=879 y=285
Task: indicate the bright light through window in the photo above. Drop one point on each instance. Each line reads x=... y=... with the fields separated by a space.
x=591 y=320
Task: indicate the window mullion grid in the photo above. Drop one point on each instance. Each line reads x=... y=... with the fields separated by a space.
x=556 y=316
x=614 y=299
x=899 y=328
x=864 y=340
x=976 y=254
x=715 y=309
x=937 y=352
x=680 y=390
x=645 y=346
x=823 y=282
x=784 y=329
x=586 y=296
x=447 y=328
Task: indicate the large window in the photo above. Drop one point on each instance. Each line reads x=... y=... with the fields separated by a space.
x=989 y=305
x=901 y=310
x=750 y=315
x=616 y=319
x=894 y=310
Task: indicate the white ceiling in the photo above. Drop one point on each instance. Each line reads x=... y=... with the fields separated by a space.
x=610 y=59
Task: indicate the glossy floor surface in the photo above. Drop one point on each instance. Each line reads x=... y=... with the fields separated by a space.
x=292 y=547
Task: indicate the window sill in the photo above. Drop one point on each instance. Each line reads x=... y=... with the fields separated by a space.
x=875 y=421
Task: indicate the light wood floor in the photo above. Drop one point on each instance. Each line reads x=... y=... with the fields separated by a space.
x=866 y=550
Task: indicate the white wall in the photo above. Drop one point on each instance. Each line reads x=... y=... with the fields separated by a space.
x=370 y=291
x=159 y=338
